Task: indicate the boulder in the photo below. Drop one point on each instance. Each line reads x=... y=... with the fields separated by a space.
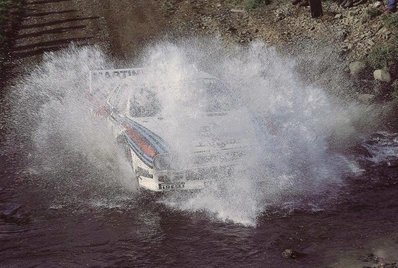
x=235 y=10
x=382 y=75
x=9 y=209
x=377 y=4
x=289 y=254
x=392 y=163
x=357 y=67
x=12 y=212
x=292 y=254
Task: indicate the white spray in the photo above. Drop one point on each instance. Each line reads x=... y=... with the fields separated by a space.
x=289 y=123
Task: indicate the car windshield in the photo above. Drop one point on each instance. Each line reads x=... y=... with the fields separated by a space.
x=135 y=101
x=219 y=98
x=215 y=94
x=142 y=101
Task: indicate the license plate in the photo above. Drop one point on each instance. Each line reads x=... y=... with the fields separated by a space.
x=171 y=186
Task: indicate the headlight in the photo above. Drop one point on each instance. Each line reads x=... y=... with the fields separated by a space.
x=163 y=178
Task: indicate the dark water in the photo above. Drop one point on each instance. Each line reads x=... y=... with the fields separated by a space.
x=108 y=226
x=63 y=200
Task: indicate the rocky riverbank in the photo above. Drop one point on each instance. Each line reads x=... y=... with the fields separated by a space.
x=362 y=36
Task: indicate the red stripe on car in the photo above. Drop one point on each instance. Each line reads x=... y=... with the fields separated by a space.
x=140 y=141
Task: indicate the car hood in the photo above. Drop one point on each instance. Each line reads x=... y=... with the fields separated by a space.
x=216 y=131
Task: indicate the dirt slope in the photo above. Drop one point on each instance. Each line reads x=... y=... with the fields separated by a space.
x=117 y=26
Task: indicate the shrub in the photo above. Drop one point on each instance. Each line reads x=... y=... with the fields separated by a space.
x=381 y=56
x=391 y=22
x=373 y=12
x=168 y=6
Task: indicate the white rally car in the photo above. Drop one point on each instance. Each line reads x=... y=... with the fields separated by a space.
x=136 y=119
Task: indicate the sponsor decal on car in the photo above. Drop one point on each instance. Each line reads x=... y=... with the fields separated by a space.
x=116 y=73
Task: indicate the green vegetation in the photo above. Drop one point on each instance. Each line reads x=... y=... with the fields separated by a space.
x=386 y=53
x=373 y=12
x=391 y=22
x=253 y=4
x=169 y=6
x=381 y=56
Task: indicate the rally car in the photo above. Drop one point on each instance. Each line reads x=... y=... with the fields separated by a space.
x=134 y=112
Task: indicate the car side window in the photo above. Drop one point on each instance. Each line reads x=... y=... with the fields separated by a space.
x=144 y=103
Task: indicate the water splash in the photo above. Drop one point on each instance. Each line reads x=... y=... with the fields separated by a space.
x=57 y=136
x=382 y=148
x=289 y=125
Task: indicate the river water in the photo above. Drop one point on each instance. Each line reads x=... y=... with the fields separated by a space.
x=68 y=198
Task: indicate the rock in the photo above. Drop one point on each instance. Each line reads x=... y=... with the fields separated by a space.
x=292 y=254
x=12 y=212
x=9 y=209
x=232 y=29
x=338 y=16
x=377 y=4
x=280 y=16
x=382 y=75
x=370 y=42
x=392 y=163
x=288 y=254
x=366 y=98
x=384 y=33
x=357 y=67
x=365 y=19
x=237 y=10
x=342 y=35
x=353 y=13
